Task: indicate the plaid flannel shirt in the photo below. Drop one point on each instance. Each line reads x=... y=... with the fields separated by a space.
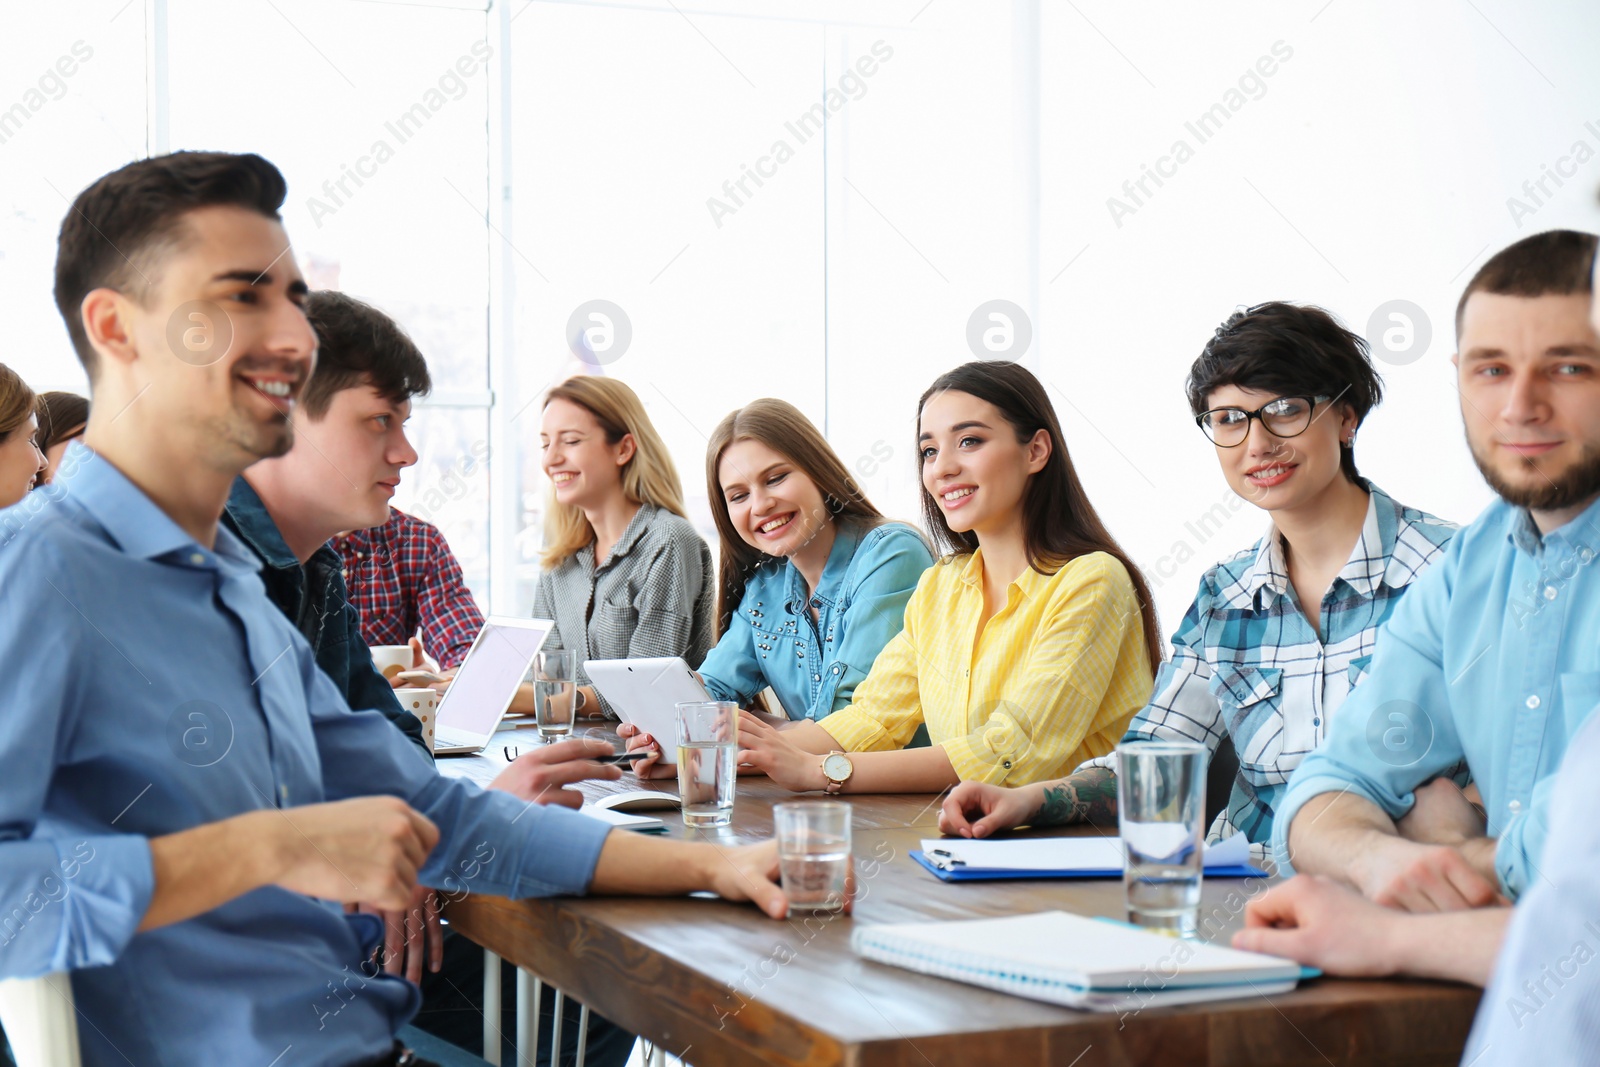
x=1246 y=662
x=403 y=578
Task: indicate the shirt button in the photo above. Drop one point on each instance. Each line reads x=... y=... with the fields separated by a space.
x=1006 y=764
x=1316 y=722
x=1549 y=592
x=197 y=559
x=1586 y=555
x=1533 y=701
x=817 y=602
x=1515 y=806
x=816 y=677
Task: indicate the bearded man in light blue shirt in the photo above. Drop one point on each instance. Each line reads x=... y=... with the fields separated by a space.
x=189 y=802
x=1494 y=656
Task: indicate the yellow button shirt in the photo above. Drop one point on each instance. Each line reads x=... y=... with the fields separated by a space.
x=1050 y=682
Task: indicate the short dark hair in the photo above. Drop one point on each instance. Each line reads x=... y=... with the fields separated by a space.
x=1290 y=350
x=359 y=345
x=116 y=228
x=1552 y=263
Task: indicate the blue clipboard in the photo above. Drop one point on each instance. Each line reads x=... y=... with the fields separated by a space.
x=990 y=874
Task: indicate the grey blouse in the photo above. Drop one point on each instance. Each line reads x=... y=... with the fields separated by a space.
x=653 y=596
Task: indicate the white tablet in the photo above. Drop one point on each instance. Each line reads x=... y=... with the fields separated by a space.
x=646 y=693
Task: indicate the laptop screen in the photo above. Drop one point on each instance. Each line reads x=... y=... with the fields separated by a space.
x=489 y=676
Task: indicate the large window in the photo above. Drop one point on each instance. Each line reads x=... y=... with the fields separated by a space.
x=834 y=202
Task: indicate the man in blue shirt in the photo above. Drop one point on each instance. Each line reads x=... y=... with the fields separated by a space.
x=189 y=802
x=1494 y=656
x=350 y=449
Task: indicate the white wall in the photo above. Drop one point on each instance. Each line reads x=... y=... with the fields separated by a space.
x=975 y=163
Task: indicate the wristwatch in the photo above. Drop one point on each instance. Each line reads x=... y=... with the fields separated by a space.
x=836 y=770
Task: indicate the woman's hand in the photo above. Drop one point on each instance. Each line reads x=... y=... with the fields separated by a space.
x=976 y=809
x=651 y=766
x=763 y=747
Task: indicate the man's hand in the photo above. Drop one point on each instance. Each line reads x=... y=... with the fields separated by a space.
x=651 y=766
x=541 y=776
x=410 y=936
x=1320 y=923
x=421 y=662
x=362 y=851
x=1421 y=878
x=976 y=809
x=751 y=873
x=764 y=747
x=1442 y=815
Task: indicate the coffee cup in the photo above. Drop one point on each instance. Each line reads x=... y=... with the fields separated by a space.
x=424 y=704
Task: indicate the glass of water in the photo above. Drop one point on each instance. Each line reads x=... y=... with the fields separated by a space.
x=813 y=853
x=555 y=690
x=1161 y=792
x=708 y=756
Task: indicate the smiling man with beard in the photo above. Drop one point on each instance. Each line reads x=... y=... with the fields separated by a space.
x=1494 y=657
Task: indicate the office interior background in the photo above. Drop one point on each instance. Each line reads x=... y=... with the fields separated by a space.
x=833 y=202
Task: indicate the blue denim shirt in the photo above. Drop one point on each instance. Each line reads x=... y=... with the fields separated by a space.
x=814 y=667
x=1492 y=657
x=154 y=688
x=315 y=600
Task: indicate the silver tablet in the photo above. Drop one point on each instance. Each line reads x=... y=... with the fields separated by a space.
x=646 y=692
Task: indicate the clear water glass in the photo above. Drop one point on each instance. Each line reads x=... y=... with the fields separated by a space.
x=1161 y=792
x=708 y=756
x=813 y=853
x=555 y=691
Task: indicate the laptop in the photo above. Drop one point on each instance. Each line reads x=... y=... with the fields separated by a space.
x=471 y=709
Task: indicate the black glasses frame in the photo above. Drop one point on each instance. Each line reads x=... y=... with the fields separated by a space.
x=1200 y=419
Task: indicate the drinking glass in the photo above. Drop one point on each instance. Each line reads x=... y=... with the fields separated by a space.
x=555 y=690
x=1161 y=811
x=708 y=755
x=813 y=853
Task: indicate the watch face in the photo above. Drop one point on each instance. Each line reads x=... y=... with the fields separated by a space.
x=837 y=767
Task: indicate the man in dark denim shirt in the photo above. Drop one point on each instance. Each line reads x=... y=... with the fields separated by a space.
x=313 y=596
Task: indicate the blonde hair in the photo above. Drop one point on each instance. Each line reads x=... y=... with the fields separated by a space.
x=647 y=478
x=17 y=402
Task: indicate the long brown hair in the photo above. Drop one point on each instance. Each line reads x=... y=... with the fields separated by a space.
x=648 y=478
x=780 y=426
x=1058 y=522
x=17 y=402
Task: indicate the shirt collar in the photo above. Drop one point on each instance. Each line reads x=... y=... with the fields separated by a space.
x=1583 y=531
x=1028 y=582
x=1364 y=571
x=636 y=528
x=846 y=538
x=132 y=519
x=256 y=526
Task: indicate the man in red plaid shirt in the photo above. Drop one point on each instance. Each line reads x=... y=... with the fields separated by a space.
x=403 y=578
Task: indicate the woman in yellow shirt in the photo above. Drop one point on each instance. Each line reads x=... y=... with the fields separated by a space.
x=1025 y=650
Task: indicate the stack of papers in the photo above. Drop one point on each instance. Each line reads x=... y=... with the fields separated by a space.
x=956 y=859
x=1094 y=964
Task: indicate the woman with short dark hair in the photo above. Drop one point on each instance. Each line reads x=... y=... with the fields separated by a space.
x=1280 y=633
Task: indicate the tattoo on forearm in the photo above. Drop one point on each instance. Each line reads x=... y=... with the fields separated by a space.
x=1088 y=797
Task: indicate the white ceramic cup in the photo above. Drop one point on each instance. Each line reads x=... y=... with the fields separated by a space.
x=391 y=659
x=424 y=704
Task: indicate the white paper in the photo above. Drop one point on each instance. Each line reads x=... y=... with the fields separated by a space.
x=1064 y=853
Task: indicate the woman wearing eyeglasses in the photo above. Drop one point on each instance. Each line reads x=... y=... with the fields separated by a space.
x=1280 y=633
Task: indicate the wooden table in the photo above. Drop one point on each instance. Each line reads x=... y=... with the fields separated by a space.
x=719 y=983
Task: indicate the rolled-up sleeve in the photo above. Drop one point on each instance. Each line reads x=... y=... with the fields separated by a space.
x=887 y=709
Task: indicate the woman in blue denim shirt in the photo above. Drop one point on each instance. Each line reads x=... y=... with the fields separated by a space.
x=813 y=579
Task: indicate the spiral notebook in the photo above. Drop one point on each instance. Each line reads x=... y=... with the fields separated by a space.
x=1091 y=964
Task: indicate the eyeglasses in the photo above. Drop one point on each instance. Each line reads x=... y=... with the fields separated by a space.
x=1287 y=416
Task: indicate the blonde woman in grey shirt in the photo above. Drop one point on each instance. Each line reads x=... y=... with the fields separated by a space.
x=625 y=573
